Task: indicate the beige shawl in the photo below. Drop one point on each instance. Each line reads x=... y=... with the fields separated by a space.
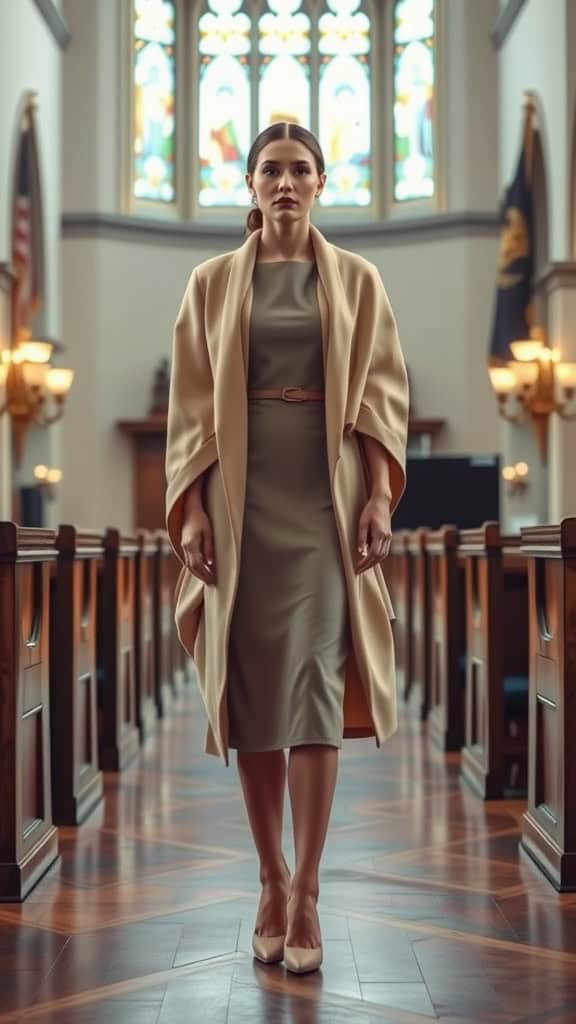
x=365 y=390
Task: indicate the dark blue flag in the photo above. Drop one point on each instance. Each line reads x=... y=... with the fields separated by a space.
x=512 y=309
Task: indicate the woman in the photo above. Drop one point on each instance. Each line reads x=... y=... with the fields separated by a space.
x=285 y=459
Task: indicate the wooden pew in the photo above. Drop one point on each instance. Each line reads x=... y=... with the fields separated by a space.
x=28 y=837
x=549 y=824
x=182 y=665
x=77 y=785
x=164 y=625
x=398 y=570
x=145 y=660
x=420 y=633
x=116 y=646
x=447 y=639
x=494 y=756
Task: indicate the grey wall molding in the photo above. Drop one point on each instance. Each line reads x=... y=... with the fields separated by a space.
x=505 y=21
x=557 y=275
x=56 y=22
x=181 y=235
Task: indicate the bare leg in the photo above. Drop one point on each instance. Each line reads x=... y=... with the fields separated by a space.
x=312 y=771
x=263 y=778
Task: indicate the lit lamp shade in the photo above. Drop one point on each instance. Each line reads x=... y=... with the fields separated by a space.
x=502 y=379
x=59 y=381
x=566 y=374
x=526 y=351
x=35 y=351
x=525 y=374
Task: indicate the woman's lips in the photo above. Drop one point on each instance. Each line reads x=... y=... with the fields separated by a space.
x=285 y=202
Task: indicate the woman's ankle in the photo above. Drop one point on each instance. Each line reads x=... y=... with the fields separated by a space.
x=278 y=875
x=300 y=888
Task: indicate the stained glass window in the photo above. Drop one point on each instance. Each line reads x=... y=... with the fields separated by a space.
x=224 y=103
x=345 y=103
x=306 y=61
x=413 y=99
x=154 y=99
x=284 y=50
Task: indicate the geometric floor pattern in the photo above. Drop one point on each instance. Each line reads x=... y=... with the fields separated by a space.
x=428 y=909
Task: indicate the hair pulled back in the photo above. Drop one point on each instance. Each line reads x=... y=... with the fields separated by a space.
x=280 y=130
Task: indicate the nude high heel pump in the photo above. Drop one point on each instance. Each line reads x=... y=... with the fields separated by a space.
x=300 y=960
x=268 y=948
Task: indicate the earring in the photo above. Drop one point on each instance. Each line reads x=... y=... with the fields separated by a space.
x=254 y=199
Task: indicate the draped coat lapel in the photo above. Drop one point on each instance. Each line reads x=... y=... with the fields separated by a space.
x=208 y=427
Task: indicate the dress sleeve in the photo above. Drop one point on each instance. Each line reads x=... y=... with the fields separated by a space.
x=382 y=411
x=191 y=441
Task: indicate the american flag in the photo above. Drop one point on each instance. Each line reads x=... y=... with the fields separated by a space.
x=23 y=248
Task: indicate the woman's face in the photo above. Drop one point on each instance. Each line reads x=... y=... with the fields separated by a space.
x=285 y=180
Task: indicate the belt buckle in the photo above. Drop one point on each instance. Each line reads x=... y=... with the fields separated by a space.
x=286 y=397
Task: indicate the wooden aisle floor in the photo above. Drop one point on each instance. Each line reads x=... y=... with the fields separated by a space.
x=428 y=910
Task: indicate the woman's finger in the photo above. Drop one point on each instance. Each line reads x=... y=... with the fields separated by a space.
x=202 y=567
x=208 y=547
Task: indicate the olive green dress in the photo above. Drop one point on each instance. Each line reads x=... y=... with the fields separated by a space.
x=289 y=636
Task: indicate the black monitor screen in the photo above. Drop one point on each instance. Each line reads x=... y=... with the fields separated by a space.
x=456 y=489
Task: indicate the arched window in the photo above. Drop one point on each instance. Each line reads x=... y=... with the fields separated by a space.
x=154 y=100
x=320 y=63
x=413 y=99
x=345 y=102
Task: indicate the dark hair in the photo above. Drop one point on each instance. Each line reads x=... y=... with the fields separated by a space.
x=280 y=130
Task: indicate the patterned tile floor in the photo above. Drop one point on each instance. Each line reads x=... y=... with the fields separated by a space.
x=428 y=909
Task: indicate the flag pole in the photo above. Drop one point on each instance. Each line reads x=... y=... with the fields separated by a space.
x=528 y=135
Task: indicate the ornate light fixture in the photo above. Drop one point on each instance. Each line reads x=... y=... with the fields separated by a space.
x=540 y=383
x=28 y=380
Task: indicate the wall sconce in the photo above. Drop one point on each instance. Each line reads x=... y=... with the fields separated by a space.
x=27 y=380
x=516 y=476
x=47 y=478
x=540 y=383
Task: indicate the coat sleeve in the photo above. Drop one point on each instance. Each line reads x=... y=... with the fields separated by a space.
x=191 y=441
x=382 y=409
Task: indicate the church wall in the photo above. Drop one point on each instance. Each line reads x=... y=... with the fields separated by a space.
x=468 y=100
x=91 y=107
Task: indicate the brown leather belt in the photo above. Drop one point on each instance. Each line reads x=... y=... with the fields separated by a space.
x=290 y=394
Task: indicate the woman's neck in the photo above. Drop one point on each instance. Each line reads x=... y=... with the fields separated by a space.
x=292 y=244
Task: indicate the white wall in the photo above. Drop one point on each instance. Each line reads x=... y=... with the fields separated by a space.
x=92 y=106
x=468 y=83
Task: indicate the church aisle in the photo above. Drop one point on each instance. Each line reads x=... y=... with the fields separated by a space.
x=427 y=910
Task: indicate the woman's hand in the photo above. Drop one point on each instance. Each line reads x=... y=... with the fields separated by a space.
x=374 y=533
x=197 y=543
